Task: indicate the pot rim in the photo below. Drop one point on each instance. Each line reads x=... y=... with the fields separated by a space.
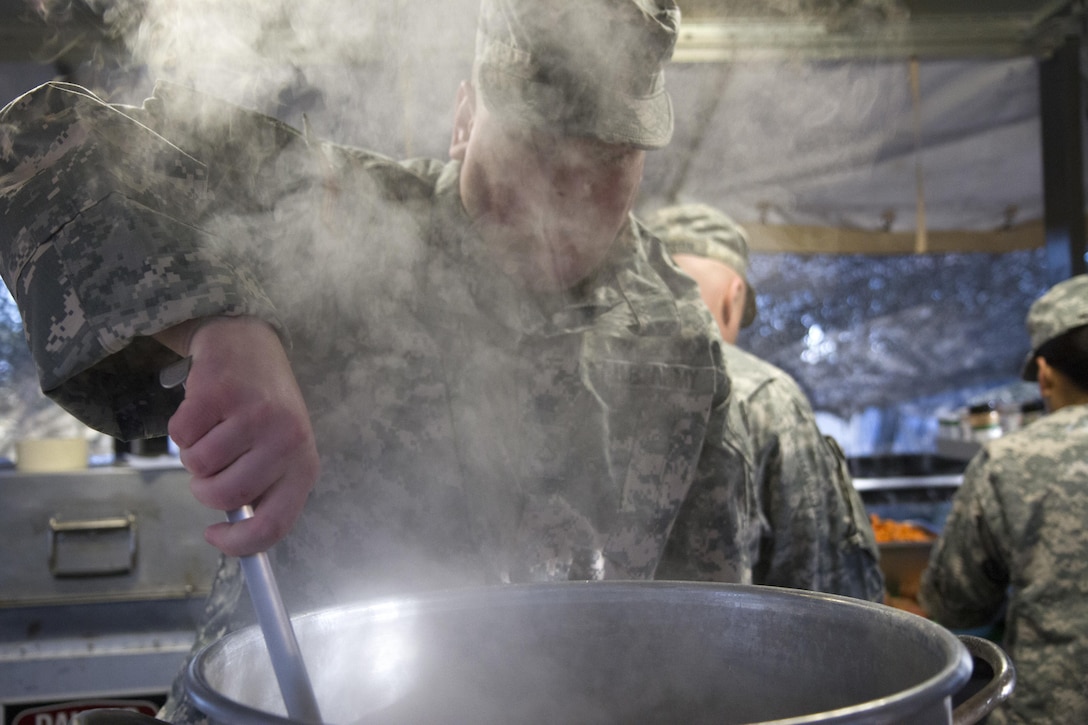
x=942 y=684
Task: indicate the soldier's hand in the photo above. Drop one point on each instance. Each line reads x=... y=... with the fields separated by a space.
x=244 y=432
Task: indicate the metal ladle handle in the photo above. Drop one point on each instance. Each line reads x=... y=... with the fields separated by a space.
x=279 y=635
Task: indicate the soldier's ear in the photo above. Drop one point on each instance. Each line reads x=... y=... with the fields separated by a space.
x=1049 y=384
x=733 y=304
x=464 y=117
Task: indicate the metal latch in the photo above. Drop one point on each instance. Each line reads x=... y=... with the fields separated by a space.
x=92 y=547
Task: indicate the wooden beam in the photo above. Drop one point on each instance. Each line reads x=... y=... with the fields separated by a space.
x=798 y=239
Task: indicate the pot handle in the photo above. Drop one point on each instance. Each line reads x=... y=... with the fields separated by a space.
x=994 y=692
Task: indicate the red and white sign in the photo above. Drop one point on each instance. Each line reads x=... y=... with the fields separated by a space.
x=63 y=713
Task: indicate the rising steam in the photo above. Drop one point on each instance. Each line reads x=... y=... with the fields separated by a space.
x=361 y=69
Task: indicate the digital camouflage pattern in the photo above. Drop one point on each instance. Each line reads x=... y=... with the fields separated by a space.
x=87 y=293
x=703 y=231
x=544 y=64
x=1014 y=543
x=815 y=531
x=1064 y=307
x=468 y=432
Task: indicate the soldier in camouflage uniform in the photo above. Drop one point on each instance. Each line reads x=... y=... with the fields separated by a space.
x=500 y=373
x=1014 y=543
x=814 y=530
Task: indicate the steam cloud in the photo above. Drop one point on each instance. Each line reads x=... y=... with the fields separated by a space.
x=329 y=254
x=361 y=70
x=349 y=71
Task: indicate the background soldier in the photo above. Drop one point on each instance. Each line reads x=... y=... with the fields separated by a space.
x=814 y=530
x=1014 y=543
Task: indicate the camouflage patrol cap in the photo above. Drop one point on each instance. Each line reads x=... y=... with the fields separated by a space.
x=1064 y=307
x=704 y=231
x=590 y=68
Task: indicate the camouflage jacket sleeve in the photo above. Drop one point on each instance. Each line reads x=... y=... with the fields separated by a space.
x=711 y=539
x=816 y=533
x=103 y=243
x=712 y=536
x=967 y=578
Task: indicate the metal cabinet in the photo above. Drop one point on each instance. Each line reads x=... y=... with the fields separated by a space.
x=103 y=573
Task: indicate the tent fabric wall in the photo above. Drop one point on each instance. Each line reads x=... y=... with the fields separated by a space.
x=836 y=145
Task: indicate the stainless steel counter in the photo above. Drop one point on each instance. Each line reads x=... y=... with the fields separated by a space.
x=890 y=483
x=906 y=471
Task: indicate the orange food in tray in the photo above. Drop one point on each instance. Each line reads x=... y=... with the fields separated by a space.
x=888 y=530
x=904 y=554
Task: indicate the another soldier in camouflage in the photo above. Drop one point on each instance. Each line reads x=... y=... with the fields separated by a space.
x=815 y=533
x=1014 y=543
x=501 y=374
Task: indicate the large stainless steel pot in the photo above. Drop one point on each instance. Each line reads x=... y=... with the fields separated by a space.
x=606 y=652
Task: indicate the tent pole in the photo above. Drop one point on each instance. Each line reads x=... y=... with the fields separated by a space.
x=1063 y=161
x=921 y=242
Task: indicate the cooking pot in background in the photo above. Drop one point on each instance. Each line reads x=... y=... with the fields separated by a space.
x=610 y=652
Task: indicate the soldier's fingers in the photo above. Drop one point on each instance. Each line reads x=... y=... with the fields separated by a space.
x=274 y=514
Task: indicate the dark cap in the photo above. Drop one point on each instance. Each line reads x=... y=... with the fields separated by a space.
x=591 y=68
x=1062 y=308
x=704 y=231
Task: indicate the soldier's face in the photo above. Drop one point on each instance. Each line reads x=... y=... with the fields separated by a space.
x=549 y=207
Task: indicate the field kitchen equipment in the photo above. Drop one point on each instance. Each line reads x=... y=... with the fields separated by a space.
x=912 y=487
x=103 y=573
x=609 y=652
